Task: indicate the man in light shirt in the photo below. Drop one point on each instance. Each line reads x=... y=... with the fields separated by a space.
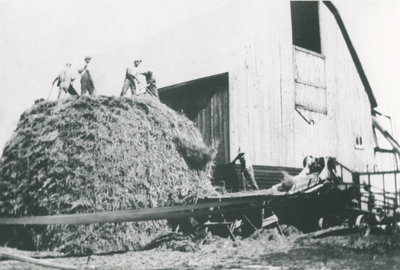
x=64 y=82
x=134 y=79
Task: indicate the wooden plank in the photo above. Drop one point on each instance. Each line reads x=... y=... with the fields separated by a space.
x=322 y=232
x=230 y=233
x=380 y=172
x=309 y=67
x=311 y=97
x=270 y=220
x=249 y=222
x=265 y=167
x=21 y=258
x=226 y=110
x=172 y=212
x=210 y=223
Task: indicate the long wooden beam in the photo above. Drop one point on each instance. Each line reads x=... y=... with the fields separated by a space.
x=172 y=212
x=21 y=258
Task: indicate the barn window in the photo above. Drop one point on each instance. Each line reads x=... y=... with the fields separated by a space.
x=359 y=143
x=305 y=25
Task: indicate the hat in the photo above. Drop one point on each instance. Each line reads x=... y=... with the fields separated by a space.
x=88 y=57
x=137 y=60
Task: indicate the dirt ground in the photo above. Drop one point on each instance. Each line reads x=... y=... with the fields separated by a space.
x=263 y=250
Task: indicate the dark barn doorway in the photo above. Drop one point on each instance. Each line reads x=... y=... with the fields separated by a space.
x=305 y=25
x=205 y=101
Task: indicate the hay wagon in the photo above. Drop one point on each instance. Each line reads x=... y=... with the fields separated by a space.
x=374 y=201
x=357 y=202
x=344 y=204
x=318 y=207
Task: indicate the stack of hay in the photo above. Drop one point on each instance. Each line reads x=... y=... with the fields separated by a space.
x=94 y=154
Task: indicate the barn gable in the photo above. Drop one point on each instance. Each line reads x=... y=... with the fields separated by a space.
x=275 y=98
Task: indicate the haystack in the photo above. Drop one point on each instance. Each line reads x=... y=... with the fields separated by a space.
x=92 y=154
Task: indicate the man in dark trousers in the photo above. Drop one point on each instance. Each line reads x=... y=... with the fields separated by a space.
x=151 y=84
x=246 y=170
x=87 y=85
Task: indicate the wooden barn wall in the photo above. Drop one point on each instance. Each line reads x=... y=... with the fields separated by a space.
x=309 y=67
x=261 y=91
x=252 y=41
x=351 y=111
x=263 y=96
x=385 y=162
x=213 y=123
x=206 y=103
x=244 y=40
x=348 y=109
x=310 y=81
x=213 y=44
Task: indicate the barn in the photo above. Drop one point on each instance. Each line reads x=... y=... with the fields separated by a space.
x=279 y=79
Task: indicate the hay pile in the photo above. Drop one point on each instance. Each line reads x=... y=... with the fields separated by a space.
x=94 y=154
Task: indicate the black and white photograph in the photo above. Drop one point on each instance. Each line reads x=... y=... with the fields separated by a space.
x=199 y=134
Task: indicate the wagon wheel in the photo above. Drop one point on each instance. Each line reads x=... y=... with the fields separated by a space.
x=328 y=221
x=363 y=224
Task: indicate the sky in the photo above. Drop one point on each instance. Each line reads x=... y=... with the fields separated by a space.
x=37 y=37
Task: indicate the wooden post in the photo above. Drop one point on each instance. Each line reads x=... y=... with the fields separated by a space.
x=341 y=172
x=396 y=203
x=395 y=189
x=278 y=226
x=384 y=191
x=249 y=222
x=356 y=181
x=263 y=211
x=243 y=181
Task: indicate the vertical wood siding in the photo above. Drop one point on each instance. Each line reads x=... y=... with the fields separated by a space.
x=311 y=97
x=260 y=89
x=213 y=124
x=310 y=82
x=206 y=103
x=252 y=41
x=348 y=104
x=309 y=67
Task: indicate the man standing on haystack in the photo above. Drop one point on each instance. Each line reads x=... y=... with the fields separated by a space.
x=87 y=85
x=151 y=84
x=246 y=170
x=64 y=82
x=134 y=79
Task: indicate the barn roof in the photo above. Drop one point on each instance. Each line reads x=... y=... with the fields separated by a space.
x=353 y=52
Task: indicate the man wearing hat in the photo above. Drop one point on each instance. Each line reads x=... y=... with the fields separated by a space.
x=246 y=170
x=134 y=79
x=87 y=85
